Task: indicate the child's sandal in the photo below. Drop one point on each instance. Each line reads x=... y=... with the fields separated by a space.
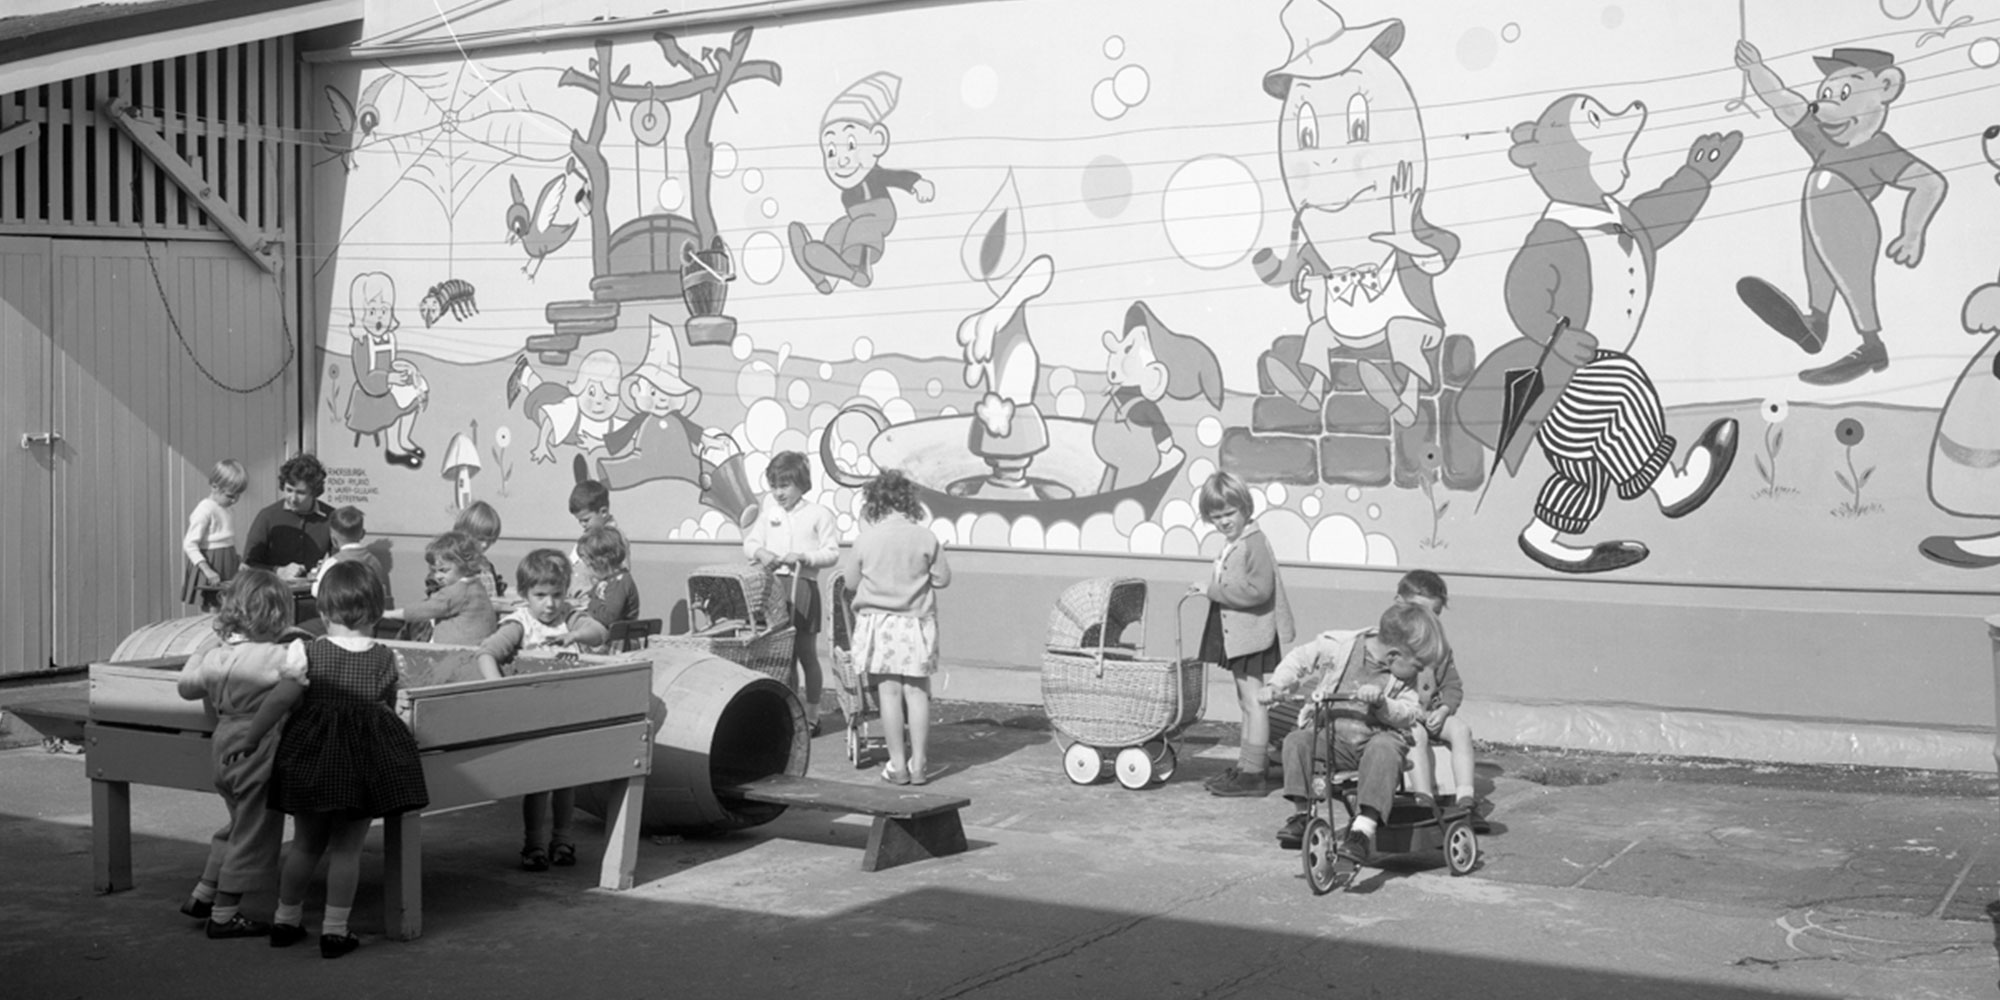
x=534 y=859
x=562 y=854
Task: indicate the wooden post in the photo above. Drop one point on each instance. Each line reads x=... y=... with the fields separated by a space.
x=110 y=835
x=402 y=875
x=254 y=242
x=623 y=809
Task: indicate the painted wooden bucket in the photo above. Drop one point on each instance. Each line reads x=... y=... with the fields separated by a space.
x=174 y=637
x=714 y=723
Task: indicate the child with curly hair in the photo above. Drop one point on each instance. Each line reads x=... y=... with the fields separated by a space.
x=895 y=569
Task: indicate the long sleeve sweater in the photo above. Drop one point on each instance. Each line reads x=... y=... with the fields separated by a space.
x=896 y=567
x=808 y=529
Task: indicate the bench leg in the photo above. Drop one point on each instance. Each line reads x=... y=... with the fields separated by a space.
x=893 y=842
x=625 y=804
x=111 y=835
x=403 y=875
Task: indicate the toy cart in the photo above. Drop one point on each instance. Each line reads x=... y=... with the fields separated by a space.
x=742 y=614
x=1105 y=696
x=857 y=700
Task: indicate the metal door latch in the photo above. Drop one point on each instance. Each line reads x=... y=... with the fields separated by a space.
x=47 y=438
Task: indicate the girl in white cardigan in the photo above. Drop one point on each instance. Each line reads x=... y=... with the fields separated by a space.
x=1249 y=624
x=793 y=535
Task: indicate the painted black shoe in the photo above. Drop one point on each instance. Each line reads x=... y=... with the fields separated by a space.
x=1602 y=557
x=286 y=935
x=1937 y=548
x=1775 y=308
x=1719 y=440
x=1856 y=363
x=238 y=926
x=336 y=945
x=514 y=379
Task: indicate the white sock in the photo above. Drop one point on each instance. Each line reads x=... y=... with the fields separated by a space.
x=223 y=914
x=290 y=914
x=335 y=921
x=1467 y=794
x=204 y=892
x=1365 y=826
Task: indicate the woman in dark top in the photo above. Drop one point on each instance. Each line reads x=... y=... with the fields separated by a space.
x=291 y=536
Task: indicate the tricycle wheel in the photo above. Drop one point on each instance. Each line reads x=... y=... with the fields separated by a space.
x=1083 y=763
x=1461 y=847
x=1135 y=768
x=1316 y=852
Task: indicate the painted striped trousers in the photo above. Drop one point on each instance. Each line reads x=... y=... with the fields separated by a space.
x=1606 y=429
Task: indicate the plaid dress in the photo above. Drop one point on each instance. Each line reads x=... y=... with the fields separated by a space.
x=344 y=750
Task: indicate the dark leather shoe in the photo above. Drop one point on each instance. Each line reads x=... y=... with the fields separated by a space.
x=239 y=926
x=286 y=935
x=1603 y=558
x=1349 y=857
x=1858 y=362
x=1775 y=308
x=197 y=909
x=336 y=945
x=1293 y=832
x=1720 y=442
x=1939 y=548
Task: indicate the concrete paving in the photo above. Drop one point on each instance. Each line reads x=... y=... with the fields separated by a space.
x=1603 y=876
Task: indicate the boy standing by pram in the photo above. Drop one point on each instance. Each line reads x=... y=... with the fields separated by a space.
x=1373 y=683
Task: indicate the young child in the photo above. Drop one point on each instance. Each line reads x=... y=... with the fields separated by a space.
x=1441 y=720
x=210 y=542
x=460 y=608
x=344 y=759
x=590 y=504
x=1365 y=680
x=234 y=678
x=546 y=619
x=481 y=523
x=612 y=597
x=1249 y=623
x=791 y=535
x=349 y=527
x=895 y=569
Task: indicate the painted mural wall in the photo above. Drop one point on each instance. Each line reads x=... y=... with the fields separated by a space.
x=1670 y=291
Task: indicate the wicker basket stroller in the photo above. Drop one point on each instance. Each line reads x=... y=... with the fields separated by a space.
x=1105 y=696
x=857 y=700
x=742 y=614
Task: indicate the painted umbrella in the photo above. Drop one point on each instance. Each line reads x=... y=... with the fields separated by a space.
x=1523 y=387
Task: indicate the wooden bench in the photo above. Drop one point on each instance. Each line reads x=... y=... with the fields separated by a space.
x=909 y=825
x=478 y=740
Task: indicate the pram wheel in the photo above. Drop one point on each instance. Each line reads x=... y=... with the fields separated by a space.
x=1461 y=847
x=854 y=743
x=1135 y=768
x=1316 y=851
x=1164 y=760
x=1083 y=764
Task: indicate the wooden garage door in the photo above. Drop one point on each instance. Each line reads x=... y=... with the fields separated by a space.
x=26 y=462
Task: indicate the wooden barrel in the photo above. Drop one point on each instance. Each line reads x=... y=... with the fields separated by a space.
x=714 y=723
x=176 y=637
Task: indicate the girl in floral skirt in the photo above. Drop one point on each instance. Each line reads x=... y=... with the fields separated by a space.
x=895 y=568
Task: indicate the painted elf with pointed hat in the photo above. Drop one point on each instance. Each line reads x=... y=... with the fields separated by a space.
x=659 y=441
x=854 y=138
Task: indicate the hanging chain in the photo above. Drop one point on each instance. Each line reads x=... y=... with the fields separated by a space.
x=277 y=281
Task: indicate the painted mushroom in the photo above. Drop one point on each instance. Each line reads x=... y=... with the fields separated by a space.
x=461 y=463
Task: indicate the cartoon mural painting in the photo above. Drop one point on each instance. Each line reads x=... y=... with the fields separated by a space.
x=452 y=295
x=354 y=125
x=1147 y=363
x=389 y=391
x=545 y=228
x=1965 y=450
x=659 y=441
x=854 y=137
x=577 y=414
x=1362 y=257
x=1578 y=292
x=1843 y=129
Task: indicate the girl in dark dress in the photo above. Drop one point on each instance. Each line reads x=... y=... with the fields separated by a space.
x=344 y=759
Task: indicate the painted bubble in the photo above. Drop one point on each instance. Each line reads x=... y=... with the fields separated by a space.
x=799 y=393
x=899 y=411
x=791 y=439
x=1106 y=187
x=1114 y=47
x=1146 y=538
x=844 y=522
x=822 y=415
x=769 y=208
x=979 y=87
x=763 y=257
x=947 y=411
x=1026 y=534
x=880 y=386
x=944 y=531
x=1353 y=494
x=934 y=388
x=1208 y=430
x=1288 y=533
x=1212 y=210
x=753 y=180
x=740 y=347
x=1131 y=85
x=864 y=348
x=1382 y=550
x=825 y=370
x=1127 y=516
x=1198 y=472
x=1337 y=538
x=991 y=531
x=1177 y=513
x=964 y=526
x=1104 y=100
x=1309 y=506
x=1062 y=536
x=762 y=424
x=1477 y=49
x=672 y=194
x=722 y=162
x=1984 y=52
x=1374 y=511
x=1099 y=534
x=754 y=464
x=712 y=520
x=755 y=381
x=1275 y=492
x=1510 y=32
x=1061 y=377
x=1071 y=402
x=1180 y=541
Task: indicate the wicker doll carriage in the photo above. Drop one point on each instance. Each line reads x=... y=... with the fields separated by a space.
x=850 y=688
x=1105 y=696
x=742 y=614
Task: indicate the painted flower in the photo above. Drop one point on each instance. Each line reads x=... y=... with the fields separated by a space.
x=502 y=437
x=1430 y=460
x=335 y=370
x=1775 y=411
x=1849 y=432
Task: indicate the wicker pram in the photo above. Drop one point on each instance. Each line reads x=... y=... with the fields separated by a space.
x=742 y=614
x=857 y=699
x=1105 y=696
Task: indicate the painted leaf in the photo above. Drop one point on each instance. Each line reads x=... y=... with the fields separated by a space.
x=1865 y=474
x=1445 y=506
x=996 y=242
x=1762 y=472
x=1844 y=484
x=1777 y=442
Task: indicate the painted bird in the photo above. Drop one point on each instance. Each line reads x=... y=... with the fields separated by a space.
x=544 y=230
x=353 y=126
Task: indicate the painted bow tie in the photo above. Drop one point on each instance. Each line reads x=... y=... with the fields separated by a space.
x=1343 y=282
